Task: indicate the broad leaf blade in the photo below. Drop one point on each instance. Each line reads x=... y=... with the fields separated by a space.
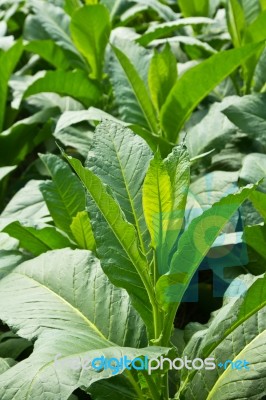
x=90 y=30
x=162 y=76
x=64 y=195
x=8 y=61
x=195 y=244
x=67 y=83
x=184 y=97
x=139 y=89
x=76 y=298
x=120 y=159
x=106 y=211
x=37 y=241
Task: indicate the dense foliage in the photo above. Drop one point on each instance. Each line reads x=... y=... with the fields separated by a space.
x=132 y=198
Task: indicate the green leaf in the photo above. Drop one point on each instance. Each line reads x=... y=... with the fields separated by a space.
x=11 y=345
x=8 y=62
x=254 y=169
x=184 y=96
x=90 y=30
x=164 y=199
x=157 y=205
x=27 y=205
x=235 y=21
x=255 y=32
x=64 y=194
x=194 y=8
x=64 y=310
x=69 y=118
x=21 y=138
x=255 y=237
x=51 y=22
x=194 y=244
x=248 y=113
x=124 y=171
x=5 y=364
x=130 y=270
x=251 y=9
x=259 y=201
x=139 y=89
x=37 y=241
x=67 y=83
x=4 y=171
x=235 y=332
x=50 y=52
x=82 y=231
x=10 y=259
x=161 y=30
x=162 y=76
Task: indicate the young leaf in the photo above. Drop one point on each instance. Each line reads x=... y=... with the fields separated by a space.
x=184 y=97
x=139 y=89
x=64 y=194
x=67 y=83
x=162 y=76
x=157 y=205
x=50 y=52
x=235 y=21
x=82 y=232
x=90 y=29
x=195 y=244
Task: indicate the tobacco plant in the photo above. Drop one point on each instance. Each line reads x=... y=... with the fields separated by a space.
x=119 y=296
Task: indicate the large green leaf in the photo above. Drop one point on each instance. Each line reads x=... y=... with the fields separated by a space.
x=235 y=332
x=26 y=206
x=67 y=83
x=50 y=52
x=248 y=113
x=128 y=106
x=184 y=96
x=117 y=244
x=194 y=245
x=254 y=169
x=139 y=89
x=120 y=159
x=64 y=194
x=90 y=30
x=66 y=310
x=162 y=76
x=51 y=22
x=8 y=62
x=37 y=241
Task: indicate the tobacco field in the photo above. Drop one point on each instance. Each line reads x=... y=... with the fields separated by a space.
x=132 y=200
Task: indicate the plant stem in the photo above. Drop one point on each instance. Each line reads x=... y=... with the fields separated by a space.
x=134 y=384
x=152 y=387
